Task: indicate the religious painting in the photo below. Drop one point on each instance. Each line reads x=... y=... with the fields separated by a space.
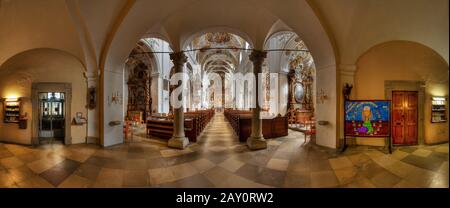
x=92 y=98
x=367 y=118
x=299 y=92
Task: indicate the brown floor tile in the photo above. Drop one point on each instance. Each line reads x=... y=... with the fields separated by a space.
x=385 y=179
x=440 y=155
x=135 y=178
x=202 y=165
x=161 y=175
x=109 y=178
x=5 y=180
x=136 y=164
x=97 y=161
x=359 y=159
x=370 y=169
x=88 y=171
x=55 y=175
x=360 y=182
x=323 y=179
x=35 y=182
x=27 y=158
x=340 y=162
x=20 y=174
x=408 y=149
x=271 y=177
x=183 y=171
x=68 y=165
x=156 y=163
x=346 y=175
x=250 y=171
x=11 y=162
x=217 y=175
x=430 y=163
x=231 y=164
x=76 y=181
x=319 y=165
x=297 y=180
x=404 y=184
x=115 y=164
x=195 y=181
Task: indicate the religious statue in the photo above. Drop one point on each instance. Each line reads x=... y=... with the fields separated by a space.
x=347 y=90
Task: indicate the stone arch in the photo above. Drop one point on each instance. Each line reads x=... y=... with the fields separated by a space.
x=57 y=70
x=405 y=65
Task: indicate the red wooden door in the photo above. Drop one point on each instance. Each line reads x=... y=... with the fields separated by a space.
x=404 y=117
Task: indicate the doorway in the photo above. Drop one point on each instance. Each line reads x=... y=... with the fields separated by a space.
x=405 y=117
x=51 y=116
x=51 y=103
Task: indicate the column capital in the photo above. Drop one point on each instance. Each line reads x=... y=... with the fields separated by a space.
x=348 y=69
x=257 y=57
x=178 y=58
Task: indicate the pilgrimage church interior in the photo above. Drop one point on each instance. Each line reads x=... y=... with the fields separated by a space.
x=354 y=93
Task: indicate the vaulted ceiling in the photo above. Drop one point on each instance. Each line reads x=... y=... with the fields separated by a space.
x=103 y=32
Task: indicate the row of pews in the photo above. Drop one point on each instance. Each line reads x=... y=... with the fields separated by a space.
x=194 y=124
x=241 y=122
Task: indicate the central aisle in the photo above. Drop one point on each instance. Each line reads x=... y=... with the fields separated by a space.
x=218 y=134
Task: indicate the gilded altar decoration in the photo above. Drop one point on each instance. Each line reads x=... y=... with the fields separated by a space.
x=139 y=81
x=301 y=80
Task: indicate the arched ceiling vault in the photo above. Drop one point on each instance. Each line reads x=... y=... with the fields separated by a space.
x=114 y=26
x=365 y=24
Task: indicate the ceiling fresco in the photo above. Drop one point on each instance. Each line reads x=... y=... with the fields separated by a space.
x=226 y=58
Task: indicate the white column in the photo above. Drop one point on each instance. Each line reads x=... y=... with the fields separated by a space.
x=155 y=89
x=256 y=139
x=178 y=139
x=283 y=91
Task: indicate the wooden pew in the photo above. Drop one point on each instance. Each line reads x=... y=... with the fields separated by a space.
x=241 y=122
x=163 y=128
x=194 y=123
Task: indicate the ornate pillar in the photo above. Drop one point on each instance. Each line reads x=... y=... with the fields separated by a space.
x=256 y=139
x=178 y=139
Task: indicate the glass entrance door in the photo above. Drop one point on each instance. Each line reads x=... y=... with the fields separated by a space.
x=51 y=115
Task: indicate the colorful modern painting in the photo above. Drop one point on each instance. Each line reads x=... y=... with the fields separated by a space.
x=367 y=118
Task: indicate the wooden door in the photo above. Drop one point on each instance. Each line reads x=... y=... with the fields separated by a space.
x=404 y=117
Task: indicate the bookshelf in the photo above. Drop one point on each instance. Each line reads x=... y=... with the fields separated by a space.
x=438 y=110
x=11 y=110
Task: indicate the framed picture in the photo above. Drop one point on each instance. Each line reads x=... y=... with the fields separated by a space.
x=367 y=118
x=92 y=98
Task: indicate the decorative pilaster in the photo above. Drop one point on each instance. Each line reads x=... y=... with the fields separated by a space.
x=178 y=140
x=256 y=140
x=347 y=76
x=92 y=111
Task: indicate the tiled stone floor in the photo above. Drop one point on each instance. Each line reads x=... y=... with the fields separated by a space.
x=218 y=160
